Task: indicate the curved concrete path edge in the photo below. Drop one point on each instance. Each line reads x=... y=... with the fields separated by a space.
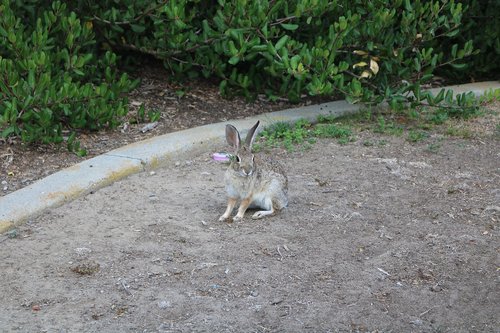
x=92 y=174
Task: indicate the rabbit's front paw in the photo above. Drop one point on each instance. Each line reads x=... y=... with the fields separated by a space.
x=225 y=218
x=238 y=218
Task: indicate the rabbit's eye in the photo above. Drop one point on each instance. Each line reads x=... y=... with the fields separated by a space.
x=238 y=159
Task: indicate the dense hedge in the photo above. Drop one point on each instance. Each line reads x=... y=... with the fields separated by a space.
x=317 y=47
x=481 y=25
x=57 y=66
x=52 y=80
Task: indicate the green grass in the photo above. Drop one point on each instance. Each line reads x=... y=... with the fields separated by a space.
x=385 y=126
x=417 y=136
x=459 y=132
x=415 y=124
x=302 y=134
x=433 y=147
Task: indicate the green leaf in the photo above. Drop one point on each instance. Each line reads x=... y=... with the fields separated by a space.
x=234 y=60
x=137 y=28
x=458 y=66
x=408 y=6
x=232 y=48
x=12 y=37
x=294 y=62
x=223 y=86
x=454 y=49
x=8 y=131
x=271 y=49
x=342 y=23
x=31 y=79
x=289 y=26
x=281 y=42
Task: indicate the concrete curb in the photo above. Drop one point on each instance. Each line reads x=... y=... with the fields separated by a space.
x=90 y=175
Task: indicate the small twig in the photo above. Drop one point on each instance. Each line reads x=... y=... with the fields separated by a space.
x=282 y=20
x=125 y=288
x=381 y=270
x=279 y=252
x=425 y=312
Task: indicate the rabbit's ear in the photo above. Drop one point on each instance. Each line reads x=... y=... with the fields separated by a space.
x=251 y=135
x=233 y=136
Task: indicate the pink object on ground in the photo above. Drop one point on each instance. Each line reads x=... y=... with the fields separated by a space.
x=221 y=157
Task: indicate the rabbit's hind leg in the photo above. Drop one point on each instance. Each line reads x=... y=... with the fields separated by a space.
x=268 y=204
x=262 y=213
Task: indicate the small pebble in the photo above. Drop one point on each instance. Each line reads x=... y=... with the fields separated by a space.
x=416 y=322
x=81 y=251
x=152 y=173
x=149 y=127
x=164 y=304
x=437 y=288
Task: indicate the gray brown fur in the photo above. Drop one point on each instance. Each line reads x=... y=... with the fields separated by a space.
x=255 y=181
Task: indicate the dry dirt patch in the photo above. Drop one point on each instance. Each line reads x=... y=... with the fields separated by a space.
x=388 y=238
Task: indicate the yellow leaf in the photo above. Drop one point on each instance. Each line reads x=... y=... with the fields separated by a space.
x=88 y=25
x=300 y=68
x=418 y=36
x=10 y=173
x=365 y=74
x=360 y=52
x=374 y=66
x=360 y=64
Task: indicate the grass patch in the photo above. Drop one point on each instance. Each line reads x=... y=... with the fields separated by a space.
x=433 y=147
x=414 y=123
x=302 y=134
x=417 y=136
x=384 y=125
x=463 y=133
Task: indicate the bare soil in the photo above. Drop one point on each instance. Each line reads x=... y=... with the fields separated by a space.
x=381 y=235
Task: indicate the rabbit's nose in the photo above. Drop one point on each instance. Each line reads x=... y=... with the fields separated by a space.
x=246 y=172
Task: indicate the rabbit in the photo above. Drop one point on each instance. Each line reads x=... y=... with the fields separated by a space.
x=256 y=181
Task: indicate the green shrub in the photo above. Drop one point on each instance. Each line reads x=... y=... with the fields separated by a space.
x=360 y=50
x=50 y=78
x=480 y=24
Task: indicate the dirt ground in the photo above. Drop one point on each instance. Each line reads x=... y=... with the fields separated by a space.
x=390 y=236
